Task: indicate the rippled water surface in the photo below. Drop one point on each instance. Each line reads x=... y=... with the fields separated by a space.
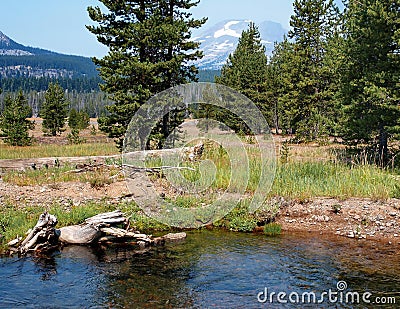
x=211 y=269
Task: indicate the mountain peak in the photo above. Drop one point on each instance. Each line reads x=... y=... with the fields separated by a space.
x=40 y=62
x=4 y=39
x=221 y=40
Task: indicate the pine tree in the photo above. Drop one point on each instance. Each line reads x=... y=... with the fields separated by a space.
x=13 y=121
x=314 y=24
x=245 y=69
x=54 y=109
x=78 y=120
x=371 y=74
x=280 y=84
x=149 y=51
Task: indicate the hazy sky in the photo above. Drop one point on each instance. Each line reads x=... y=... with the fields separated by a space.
x=59 y=25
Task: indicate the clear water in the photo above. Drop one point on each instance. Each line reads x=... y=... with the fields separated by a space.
x=211 y=269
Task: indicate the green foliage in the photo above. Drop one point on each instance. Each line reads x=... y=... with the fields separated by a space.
x=13 y=123
x=78 y=120
x=272 y=229
x=54 y=109
x=150 y=48
x=371 y=74
x=245 y=71
x=284 y=152
x=301 y=80
x=93 y=130
x=80 y=84
x=75 y=138
x=239 y=219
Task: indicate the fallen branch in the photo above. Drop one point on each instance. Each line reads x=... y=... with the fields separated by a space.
x=156 y=168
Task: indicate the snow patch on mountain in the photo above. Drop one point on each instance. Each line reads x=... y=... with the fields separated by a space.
x=221 y=40
x=227 y=31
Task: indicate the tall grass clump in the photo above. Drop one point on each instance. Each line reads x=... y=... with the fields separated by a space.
x=310 y=179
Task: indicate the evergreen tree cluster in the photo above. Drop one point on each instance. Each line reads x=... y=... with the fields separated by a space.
x=78 y=120
x=335 y=74
x=79 y=84
x=14 y=125
x=41 y=64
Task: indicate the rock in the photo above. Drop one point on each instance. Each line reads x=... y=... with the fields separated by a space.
x=357 y=217
x=77 y=234
x=351 y=234
x=395 y=235
x=393 y=214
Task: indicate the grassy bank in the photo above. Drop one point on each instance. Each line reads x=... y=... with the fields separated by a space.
x=294 y=179
x=53 y=150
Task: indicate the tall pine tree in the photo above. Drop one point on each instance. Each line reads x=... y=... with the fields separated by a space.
x=54 y=109
x=314 y=23
x=371 y=74
x=150 y=50
x=13 y=120
x=245 y=69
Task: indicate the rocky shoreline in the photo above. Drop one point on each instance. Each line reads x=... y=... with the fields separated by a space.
x=357 y=218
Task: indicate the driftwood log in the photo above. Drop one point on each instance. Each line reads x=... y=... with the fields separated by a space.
x=105 y=228
x=41 y=238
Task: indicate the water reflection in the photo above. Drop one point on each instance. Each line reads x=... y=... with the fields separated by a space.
x=210 y=269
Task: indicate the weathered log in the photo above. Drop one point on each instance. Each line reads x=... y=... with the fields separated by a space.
x=108 y=218
x=44 y=234
x=174 y=236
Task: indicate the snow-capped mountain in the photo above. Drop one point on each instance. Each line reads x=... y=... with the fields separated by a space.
x=220 y=40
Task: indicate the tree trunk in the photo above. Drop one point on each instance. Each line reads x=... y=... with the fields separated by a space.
x=383 y=146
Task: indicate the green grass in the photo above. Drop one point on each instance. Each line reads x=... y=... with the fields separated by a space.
x=272 y=229
x=42 y=151
x=306 y=179
x=326 y=179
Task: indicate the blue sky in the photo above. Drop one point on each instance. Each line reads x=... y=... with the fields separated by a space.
x=59 y=25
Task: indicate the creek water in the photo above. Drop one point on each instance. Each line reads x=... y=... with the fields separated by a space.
x=210 y=269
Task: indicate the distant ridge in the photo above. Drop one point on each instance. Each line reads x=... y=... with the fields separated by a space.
x=18 y=60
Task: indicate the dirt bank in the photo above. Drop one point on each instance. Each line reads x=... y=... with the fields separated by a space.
x=354 y=218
